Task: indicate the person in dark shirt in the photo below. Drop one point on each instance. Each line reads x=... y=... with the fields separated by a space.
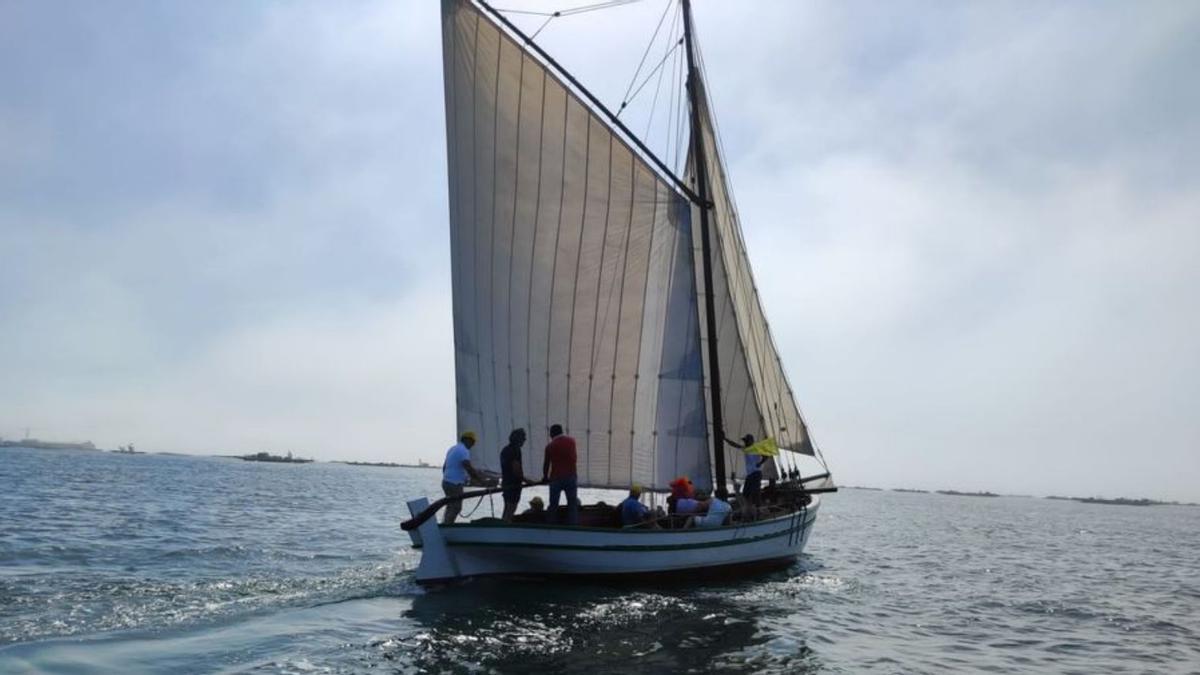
x=559 y=470
x=512 y=476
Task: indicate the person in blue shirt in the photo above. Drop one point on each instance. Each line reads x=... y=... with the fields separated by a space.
x=456 y=472
x=633 y=511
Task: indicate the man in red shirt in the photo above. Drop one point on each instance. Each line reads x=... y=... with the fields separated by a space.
x=558 y=469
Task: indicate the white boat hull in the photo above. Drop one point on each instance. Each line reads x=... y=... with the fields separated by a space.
x=450 y=552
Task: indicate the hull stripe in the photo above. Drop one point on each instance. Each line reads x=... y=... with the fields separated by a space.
x=791 y=531
x=581 y=528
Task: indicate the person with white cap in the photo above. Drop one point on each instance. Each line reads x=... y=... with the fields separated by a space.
x=456 y=472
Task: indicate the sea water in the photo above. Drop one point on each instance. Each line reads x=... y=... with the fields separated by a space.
x=145 y=563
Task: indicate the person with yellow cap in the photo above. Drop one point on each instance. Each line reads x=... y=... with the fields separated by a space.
x=456 y=471
x=633 y=511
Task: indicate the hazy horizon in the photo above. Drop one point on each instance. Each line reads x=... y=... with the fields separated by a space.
x=975 y=228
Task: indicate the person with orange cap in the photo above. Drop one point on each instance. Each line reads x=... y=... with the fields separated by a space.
x=456 y=471
x=682 y=487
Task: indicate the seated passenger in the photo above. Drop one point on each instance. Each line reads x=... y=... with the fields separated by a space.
x=682 y=487
x=633 y=511
x=536 y=513
x=688 y=505
x=716 y=512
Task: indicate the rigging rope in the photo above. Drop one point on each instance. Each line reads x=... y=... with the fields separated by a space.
x=625 y=98
x=550 y=16
x=656 y=69
x=571 y=10
x=658 y=86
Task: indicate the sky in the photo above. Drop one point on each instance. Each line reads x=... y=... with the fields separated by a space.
x=974 y=226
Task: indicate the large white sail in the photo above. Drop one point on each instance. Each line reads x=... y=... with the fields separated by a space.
x=575 y=296
x=755 y=394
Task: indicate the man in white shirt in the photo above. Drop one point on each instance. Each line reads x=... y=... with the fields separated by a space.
x=716 y=512
x=456 y=473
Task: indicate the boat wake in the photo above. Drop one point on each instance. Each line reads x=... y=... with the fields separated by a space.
x=46 y=608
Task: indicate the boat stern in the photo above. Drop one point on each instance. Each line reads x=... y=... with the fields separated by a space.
x=436 y=562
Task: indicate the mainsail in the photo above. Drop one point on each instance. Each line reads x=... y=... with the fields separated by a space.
x=574 y=286
x=577 y=285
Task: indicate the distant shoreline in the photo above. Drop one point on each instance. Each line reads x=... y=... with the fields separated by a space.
x=390 y=465
x=35 y=444
x=956 y=493
x=1115 y=501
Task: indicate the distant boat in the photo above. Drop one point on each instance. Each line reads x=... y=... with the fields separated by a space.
x=590 y=286
x=127 y=450
x=268 y=457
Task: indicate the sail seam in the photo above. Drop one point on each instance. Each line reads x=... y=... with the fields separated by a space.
x=491 y=275
x=637 y=359
x=475 y=220
x=512 y=239
x=450 y=52
x=562 y=195
x=533 y=241
x=676 y=422
x=591 y=387
x=587 y=164
x=612 y=391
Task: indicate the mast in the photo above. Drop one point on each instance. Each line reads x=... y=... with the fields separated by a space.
x=714 y=361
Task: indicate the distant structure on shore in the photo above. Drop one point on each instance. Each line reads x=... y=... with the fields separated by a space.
x=268 y=457
x=421 y=464
x=35 y=444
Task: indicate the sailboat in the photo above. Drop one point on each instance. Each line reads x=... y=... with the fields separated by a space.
x=595 y=288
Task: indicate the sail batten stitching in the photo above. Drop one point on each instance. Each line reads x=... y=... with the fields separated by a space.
x=491 y=276
x=612 y=392
x=677 y=422
x=562 y=195
x=587 y=163
x=475 y=222
x=596 y=304
x=533 y=241
x=512 y=241
x=637 y=359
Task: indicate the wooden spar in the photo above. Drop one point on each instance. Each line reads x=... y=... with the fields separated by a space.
x=714 y=359
x=416 y=521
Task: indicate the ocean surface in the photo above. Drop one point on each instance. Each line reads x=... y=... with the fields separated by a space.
x=145 y=563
